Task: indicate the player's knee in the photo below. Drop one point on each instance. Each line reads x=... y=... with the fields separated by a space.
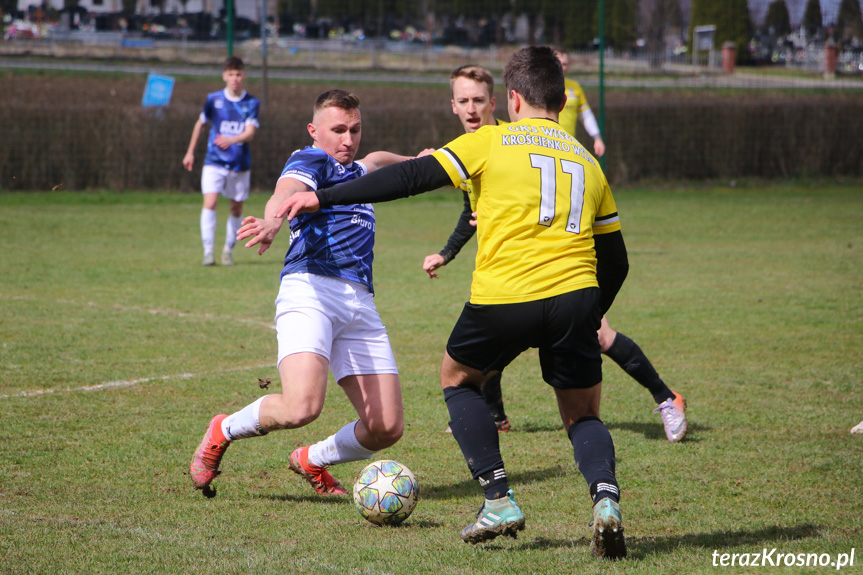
x=606 y=339
x=387 y=434
x=292 y=416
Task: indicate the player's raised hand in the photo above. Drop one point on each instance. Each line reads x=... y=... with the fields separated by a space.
x=298 y=203
x=261 y=231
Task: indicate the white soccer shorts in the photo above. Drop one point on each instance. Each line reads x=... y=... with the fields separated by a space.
x=233 y=185
x=334 y=318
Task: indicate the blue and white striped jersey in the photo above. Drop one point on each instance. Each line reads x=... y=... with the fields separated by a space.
x=334 y=242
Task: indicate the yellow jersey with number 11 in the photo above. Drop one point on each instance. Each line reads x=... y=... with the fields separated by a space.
x=540 y=198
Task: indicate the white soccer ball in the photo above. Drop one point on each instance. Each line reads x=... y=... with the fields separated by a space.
x=386 y=492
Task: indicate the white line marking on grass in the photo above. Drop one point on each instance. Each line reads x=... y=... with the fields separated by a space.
x=130 y=383
x=155 y=311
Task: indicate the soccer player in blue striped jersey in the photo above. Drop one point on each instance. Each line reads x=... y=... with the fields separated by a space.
x=233 y=117
x=326 y=319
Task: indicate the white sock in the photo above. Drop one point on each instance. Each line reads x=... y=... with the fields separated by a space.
x=208 y=229
x=244 y=423
x=339 y=448
x=231 y=231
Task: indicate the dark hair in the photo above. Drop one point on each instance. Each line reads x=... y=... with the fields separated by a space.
x=337 y=99
x=234 y=63
x=535 y=73
x=475 y=73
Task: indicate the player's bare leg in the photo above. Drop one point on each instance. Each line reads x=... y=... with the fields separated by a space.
x=304 y=380
x=377 y=400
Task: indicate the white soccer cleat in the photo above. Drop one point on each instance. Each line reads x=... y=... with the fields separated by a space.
x=673 y=413
x=857 y=429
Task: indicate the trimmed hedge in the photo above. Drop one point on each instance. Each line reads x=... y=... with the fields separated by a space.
x=92 y=133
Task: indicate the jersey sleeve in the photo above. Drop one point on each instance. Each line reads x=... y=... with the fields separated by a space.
x=607 y=219
x=254 y=113
x=306 y=166
x=207 y=112
x=581 y=99
x=465 y=157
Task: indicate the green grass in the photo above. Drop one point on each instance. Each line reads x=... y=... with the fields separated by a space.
x=748 y=300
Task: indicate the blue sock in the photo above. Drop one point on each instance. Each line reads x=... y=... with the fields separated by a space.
x=474 y=429
x=594 y=456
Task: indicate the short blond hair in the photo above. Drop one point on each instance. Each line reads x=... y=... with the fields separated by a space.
x=475 y=73
x=337 y=99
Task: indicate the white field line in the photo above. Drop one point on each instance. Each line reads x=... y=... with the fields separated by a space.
x=157 y=311
x=131 y=383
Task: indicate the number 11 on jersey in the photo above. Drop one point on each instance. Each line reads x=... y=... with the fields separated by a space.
x=548 y=190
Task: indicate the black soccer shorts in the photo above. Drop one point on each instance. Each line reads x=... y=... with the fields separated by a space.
x=563 y=328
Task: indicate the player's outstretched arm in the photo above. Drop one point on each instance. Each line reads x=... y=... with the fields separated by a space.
x=263 y=231
x=299 y=203
x=381 y=159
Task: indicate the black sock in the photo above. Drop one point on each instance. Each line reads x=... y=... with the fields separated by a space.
x=594 y=456
x=493 y=397
x=474 y=429
x=629 y=356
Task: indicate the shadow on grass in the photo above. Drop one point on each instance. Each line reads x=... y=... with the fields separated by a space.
x=654 y=431
x=643 y=547
x=327 y=500
x=649 y=430
x=470 y=488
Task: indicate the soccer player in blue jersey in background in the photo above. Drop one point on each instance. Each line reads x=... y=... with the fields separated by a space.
x=325 y=316
x=233 y=117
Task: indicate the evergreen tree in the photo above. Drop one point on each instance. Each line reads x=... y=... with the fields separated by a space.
x=849 y=23
x=731 y=18
x=777 y=18
x=813 y=21
x=577 y=21
x=621 y=29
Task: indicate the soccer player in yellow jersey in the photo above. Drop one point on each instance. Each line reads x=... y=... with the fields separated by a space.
x=670 y=405
x=549 y=238
x=576 y=108
x=473 y=102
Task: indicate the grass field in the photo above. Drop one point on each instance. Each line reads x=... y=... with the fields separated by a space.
x=116 y=347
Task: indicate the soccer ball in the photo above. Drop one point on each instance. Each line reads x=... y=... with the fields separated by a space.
x=386 y=492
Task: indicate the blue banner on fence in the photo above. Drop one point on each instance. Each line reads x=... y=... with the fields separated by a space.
x=158 y=90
